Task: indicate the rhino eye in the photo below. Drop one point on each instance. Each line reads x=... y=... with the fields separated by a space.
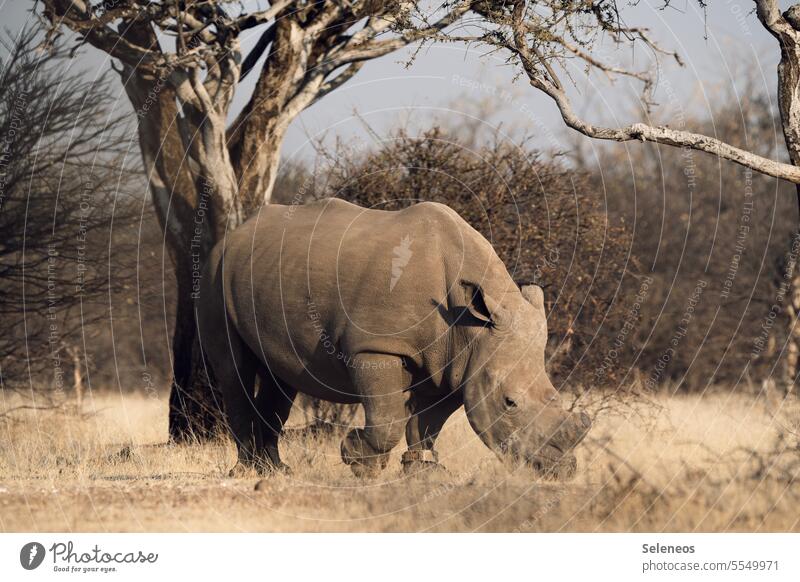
x=509 y=402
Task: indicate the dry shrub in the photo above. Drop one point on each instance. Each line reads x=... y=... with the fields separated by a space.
x=780 y=462
x=722 y=485
x=63 y=158
x=690 y=471
x=713 y=237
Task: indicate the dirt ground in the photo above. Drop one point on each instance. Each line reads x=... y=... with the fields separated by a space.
x=720 y=462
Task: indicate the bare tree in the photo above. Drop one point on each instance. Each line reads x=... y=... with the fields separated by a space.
x=551 y=40
x=60 y=161
x=180 y=63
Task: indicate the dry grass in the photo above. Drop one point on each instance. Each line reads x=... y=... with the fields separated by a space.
x=713 y=463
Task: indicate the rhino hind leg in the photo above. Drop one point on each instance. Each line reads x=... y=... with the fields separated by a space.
x=235 y=368
x=380 y=380
x=428 y=415
x=273 y=404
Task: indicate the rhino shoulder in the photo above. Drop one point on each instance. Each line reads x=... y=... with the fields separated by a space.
x=329 y=202
x=435 y=217
x=449 y=222
x=434 y=210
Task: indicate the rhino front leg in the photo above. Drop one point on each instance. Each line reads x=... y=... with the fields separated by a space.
x=380 y=381
x=429 y=413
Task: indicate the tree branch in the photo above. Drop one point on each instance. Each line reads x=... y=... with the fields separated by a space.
x=252 y=57
x=638 y=131
x=76 y=16
x=338 y=81
x=262 y=16
x=769 y=14
x=357 y=48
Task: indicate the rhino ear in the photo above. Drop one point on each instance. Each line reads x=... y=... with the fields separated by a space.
x=481 y=306
x=534 y=295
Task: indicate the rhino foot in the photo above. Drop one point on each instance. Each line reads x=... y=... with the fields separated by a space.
x=363 y=459
x=266 y=468
x=422 y=462
x=363 y=471
x=240 y=470
x=262 y=468
x=425 y=468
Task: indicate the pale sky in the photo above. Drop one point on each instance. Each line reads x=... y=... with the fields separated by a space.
x=446 y=81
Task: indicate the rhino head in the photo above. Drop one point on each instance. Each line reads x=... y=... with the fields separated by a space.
x=509 y=400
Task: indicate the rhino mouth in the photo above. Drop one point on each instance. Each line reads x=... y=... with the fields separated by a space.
x=553 y=463
x=561 y=469
x=549 y=462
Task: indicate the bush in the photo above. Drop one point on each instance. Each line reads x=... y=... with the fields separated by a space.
x=712 y=235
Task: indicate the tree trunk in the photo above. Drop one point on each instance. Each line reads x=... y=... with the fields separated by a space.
x=232 y=175
x=789 y=106
x=195 y=407
x=194 y=403
x=255 y=153
x=790 y=367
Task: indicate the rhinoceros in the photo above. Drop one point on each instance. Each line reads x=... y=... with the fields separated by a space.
x=410 y=313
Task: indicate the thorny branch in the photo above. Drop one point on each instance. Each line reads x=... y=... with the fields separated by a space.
x=544 y=35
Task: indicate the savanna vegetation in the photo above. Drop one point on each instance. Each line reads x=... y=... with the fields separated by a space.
x=716 y=462
x=667 y=276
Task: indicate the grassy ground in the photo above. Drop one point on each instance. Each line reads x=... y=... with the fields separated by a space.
x=714 y=463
